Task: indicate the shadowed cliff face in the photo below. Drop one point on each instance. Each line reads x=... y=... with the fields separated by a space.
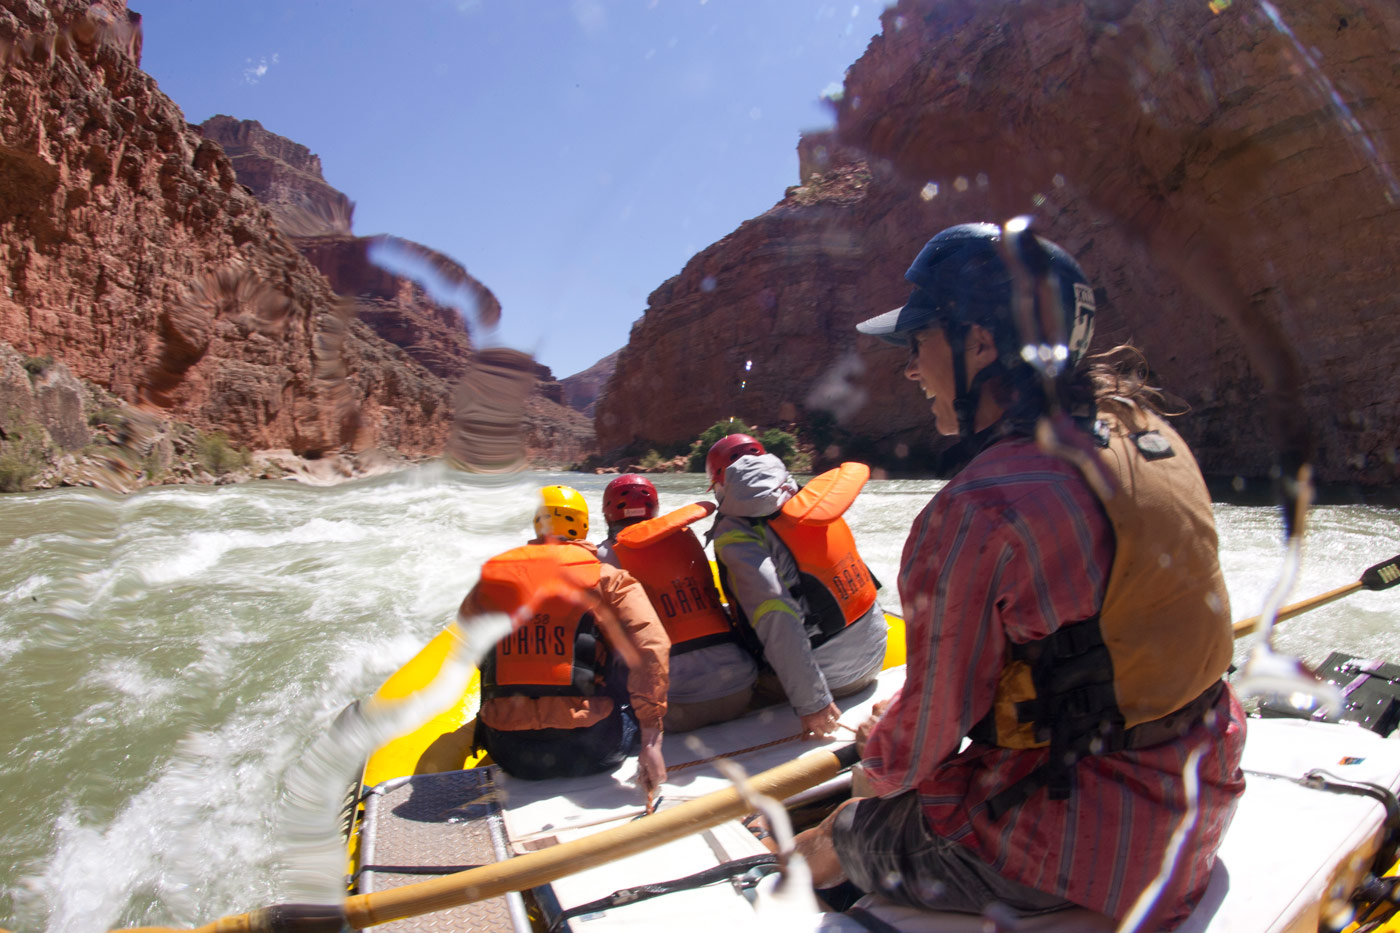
x=1224 y=180
x=286 y=177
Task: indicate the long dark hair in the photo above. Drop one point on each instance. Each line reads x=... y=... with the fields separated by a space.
x=1117 y=377
x=1120 y=375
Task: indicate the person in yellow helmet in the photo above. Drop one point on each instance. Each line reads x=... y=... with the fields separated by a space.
x=580 y=682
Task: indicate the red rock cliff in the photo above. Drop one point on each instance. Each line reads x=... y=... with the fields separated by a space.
x=1225 y=180
x=129 y=252
x=286 y=177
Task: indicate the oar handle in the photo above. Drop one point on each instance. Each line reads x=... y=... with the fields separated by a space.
x=544 y=865
x=1245 y=626
x=279 y=918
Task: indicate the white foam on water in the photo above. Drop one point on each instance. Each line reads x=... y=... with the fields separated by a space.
x=245 y=618
x=133 y=679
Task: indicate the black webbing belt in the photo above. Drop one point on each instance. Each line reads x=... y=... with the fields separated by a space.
x=1057 y=772
x=724 y=872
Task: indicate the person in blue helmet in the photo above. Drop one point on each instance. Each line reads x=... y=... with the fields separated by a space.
x=1065 y=613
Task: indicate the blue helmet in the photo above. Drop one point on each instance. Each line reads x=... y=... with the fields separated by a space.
x=970 y=274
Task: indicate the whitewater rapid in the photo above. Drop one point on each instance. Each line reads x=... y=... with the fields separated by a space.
x=169 y=657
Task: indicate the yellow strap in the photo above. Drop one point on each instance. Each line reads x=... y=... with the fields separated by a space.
x=774 y=605
x=737 y=536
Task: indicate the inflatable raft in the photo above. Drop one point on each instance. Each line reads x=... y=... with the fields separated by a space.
x=1302 y=838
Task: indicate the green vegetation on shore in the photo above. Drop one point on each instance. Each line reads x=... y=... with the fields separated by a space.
x=798 y=453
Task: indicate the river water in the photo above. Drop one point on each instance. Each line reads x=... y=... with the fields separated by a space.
x=168 y=657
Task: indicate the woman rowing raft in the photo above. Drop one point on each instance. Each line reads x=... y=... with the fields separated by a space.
x=1065 y=610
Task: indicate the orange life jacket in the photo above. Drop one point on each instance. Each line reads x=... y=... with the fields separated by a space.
x=553 y=648
x=665 y=556
x=835 y=584
x=1149 y=665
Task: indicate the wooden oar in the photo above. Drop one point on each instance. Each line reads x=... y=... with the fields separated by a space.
x=1380 y=577
x=533 y=868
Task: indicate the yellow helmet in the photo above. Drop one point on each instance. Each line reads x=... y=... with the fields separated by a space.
x=562 y=514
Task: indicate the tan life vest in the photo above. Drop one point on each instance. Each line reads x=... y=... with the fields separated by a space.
x=667 y=559
x=1145 y=669
x=834 y=582
x=553 y=648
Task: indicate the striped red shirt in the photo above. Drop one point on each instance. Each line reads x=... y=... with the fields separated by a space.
x=1014 y=546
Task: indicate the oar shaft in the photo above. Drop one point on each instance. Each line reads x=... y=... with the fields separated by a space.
x=539 y=867
x=1245 y=626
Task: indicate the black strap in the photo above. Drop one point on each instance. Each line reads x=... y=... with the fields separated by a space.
x=1325 y=780
x=706 y=641
x=1377 y=898
x=412 y=870
x=722 y=872
x=1057 y=772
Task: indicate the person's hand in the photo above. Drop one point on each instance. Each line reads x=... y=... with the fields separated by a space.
x=867 y=727
x=651 y=767
x=822 y=722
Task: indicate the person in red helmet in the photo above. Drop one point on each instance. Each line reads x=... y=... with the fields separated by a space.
x=800 y=594
x=712 y=676
x=728 y=449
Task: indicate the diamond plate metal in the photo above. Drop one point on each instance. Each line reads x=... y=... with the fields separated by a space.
x=447 y=819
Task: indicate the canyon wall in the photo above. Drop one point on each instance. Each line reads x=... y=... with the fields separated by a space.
x=1226 y=180
x=286 y=177
x=130 y=253
x=220 y=289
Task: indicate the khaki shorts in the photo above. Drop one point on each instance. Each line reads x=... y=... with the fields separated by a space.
x=886 y=848
x=683 y=717
x=769 y=689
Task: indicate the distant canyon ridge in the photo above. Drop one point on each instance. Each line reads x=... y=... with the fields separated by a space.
x=1235 y=211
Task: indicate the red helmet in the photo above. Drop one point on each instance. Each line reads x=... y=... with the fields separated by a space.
x=629 y=496
x=728 y=449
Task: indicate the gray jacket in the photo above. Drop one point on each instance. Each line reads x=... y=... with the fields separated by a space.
x=762 y=576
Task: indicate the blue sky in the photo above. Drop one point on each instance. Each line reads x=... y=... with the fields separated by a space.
x=572 y=154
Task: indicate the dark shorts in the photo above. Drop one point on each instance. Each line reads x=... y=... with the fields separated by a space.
x=886 y=848
x=536 y=754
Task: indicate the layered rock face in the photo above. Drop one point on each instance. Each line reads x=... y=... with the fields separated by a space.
x=287 y=178
x=1224 y=179
x=129 y=252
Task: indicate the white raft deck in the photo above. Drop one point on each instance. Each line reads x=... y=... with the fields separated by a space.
x=1284 y=849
